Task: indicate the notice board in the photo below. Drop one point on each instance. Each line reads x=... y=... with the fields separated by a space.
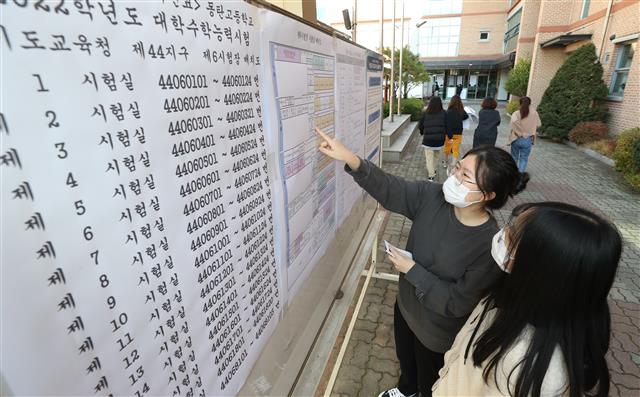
x=163 y=200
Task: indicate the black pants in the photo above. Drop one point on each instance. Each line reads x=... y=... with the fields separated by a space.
x=419 y=366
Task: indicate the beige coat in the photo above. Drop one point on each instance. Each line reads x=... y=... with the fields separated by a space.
x=460 y=378
x=524 y=127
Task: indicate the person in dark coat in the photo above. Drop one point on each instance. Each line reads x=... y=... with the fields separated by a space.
x=455 y=116
x=488 y=121
x=433 y=127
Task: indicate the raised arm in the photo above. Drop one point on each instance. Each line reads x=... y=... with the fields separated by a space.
x=393 y=193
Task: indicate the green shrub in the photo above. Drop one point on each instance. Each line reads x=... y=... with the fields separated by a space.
x=627 y=156
x=588 y=131
x=412 y=106
x=623 y=155
x=605 y=147
x=571 y=94
x=518 y=78
x=633 y=180
x=636 y=154
x=512 y=106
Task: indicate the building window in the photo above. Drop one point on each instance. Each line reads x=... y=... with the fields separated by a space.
x=513 y=30
x=441 y=7
x=585 y=9
x=440 y=37
x=621 y=72
x=484 y=35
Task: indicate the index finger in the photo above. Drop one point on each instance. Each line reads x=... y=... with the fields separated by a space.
x=323 y=135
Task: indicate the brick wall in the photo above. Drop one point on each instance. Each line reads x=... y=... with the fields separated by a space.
x=623 y=21
x=544 y=65
x=528 y=28
x=480 y=6
x=529 y=18
x=470 y=28
x=554 y=13
x=624 y=114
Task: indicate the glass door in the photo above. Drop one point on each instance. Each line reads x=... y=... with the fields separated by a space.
x=483 y=83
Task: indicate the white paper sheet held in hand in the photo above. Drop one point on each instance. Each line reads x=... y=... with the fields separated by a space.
x=473 y=116
x=387 y=249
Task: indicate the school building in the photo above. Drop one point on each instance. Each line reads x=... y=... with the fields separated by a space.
x=469 y=46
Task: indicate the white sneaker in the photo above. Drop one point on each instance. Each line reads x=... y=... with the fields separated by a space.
x=395 y=392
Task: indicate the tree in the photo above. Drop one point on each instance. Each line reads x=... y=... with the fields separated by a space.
x=573 y=94
x=518 y=78
x=413 y=71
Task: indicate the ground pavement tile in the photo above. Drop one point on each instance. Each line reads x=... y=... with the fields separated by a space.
x=558 y=173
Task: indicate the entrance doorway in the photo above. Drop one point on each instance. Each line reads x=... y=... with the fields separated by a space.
x=478 y=85
x=483 y=82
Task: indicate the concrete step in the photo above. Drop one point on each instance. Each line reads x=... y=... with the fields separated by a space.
x=396 y=151
x=391 y=130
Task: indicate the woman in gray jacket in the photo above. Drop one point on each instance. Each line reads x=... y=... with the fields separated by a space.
x=450 y=240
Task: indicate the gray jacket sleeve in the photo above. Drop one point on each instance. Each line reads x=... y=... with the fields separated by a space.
x=392 y=192
x=454 y=298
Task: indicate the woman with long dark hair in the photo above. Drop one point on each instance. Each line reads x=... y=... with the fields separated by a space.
x=544 y=330
x=524 y=123
x=455 y=116
x=433 y=127
x=450 y=240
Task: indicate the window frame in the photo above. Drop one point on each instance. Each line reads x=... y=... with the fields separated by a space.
x=488 y=32
x=618 y=71
x=512 y=29
x=585 y=9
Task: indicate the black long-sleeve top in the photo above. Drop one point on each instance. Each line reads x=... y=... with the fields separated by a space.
x=454 y=267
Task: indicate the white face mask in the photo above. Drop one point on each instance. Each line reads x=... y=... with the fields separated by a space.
x=499 y=251
x=455 y=193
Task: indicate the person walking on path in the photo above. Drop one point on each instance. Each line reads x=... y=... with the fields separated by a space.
x=455 y=116
x=488 y=121
x=545 y=329
x=450 y=240
x=524 y=123
x=433 y=127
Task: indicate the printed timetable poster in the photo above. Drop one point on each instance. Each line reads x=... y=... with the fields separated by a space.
x=299 y=75
x=374 y=106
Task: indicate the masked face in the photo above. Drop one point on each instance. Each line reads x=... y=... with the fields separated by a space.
x=455 y=192
x=499 y=251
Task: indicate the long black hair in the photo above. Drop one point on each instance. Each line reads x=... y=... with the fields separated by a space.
x=497 y=172
x=435 y=105
x=525 y=102
x=564 y=263
x=456 y=103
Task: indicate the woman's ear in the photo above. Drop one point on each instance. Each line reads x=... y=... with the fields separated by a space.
x=489 y=196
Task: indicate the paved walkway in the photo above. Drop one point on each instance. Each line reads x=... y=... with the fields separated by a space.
x=558 y=173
